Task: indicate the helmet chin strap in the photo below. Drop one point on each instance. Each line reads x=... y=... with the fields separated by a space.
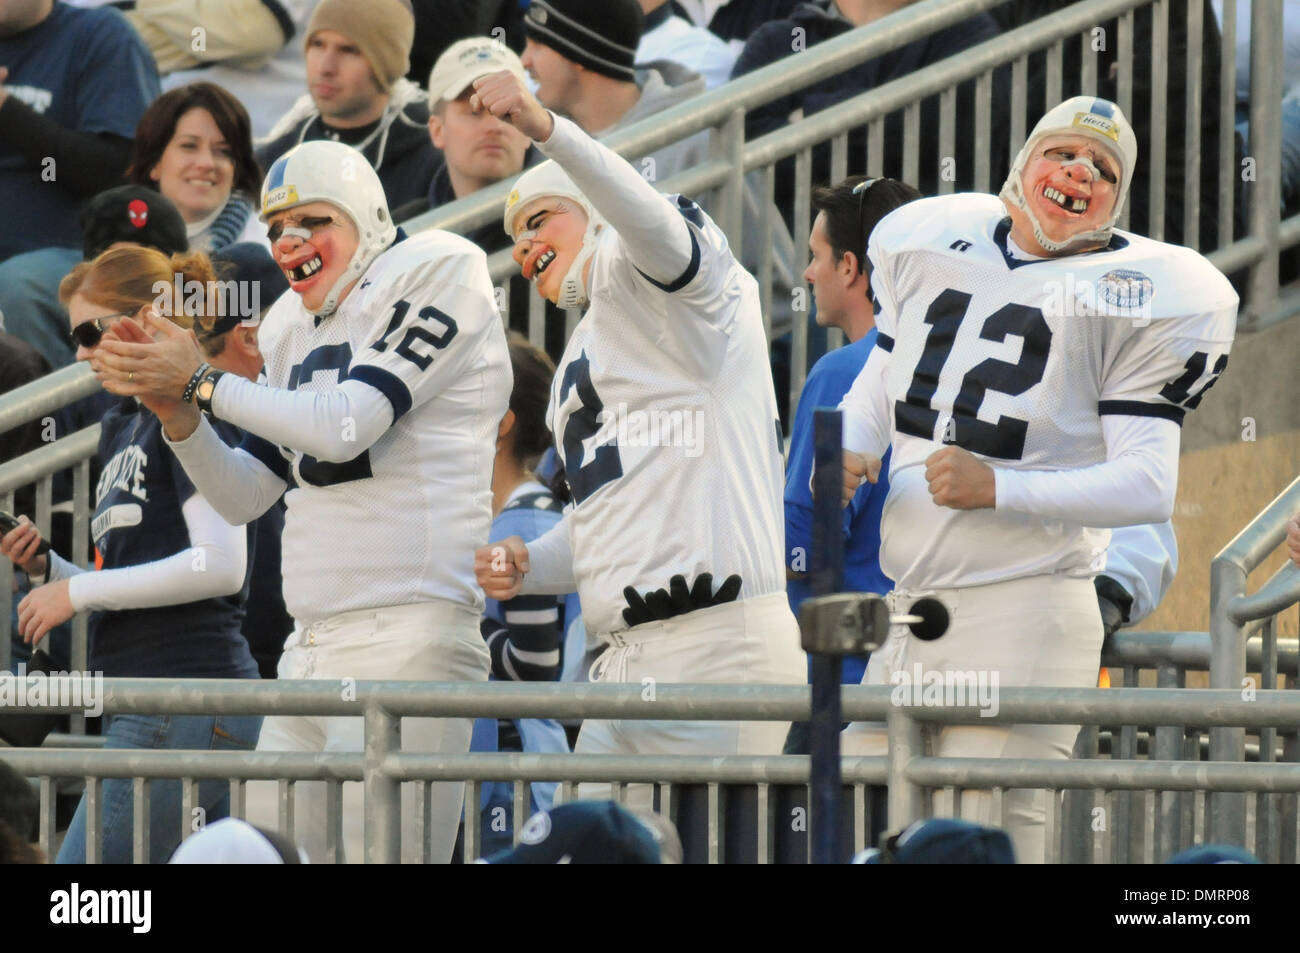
x=573 y=289
x=357 y=266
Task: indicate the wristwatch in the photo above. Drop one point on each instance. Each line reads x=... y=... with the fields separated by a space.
x=207 y=387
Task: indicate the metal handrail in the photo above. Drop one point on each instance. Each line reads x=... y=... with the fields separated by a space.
x=44 y=461
x=705 y=702
x=45 y=395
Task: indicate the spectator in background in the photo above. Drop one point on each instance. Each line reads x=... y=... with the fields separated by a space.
x=477 y=149
x=531 y=638
x=194 y=145
x=253 y=48
x=668 y=36
x=29 y=283
x=73 y=84
x=841 y=286
x=840 y=278
x=184 y=34
x=582 y=60
x=823 y=20
x=357 y=55
x=230 y=344
x=154 y=615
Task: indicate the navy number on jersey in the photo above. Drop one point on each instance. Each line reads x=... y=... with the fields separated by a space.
x=582 y=426
x=1005 y=439
x=1181 y=391
x=443 y=329
x=324 y=359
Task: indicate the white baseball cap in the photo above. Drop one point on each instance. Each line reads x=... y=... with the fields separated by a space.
x=465 y=61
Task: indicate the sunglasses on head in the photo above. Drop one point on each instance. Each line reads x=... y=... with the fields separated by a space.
x=89 y=333
x=861 y=190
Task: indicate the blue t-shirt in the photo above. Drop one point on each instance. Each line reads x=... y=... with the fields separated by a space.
x=137 y=520
x=828 y=382
x=88 y=71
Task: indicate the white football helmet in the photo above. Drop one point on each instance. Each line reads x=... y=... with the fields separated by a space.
x=548 y=179
x=325 y=171
x=1098 y=119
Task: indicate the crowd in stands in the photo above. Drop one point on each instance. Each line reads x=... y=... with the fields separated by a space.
x=146 y=134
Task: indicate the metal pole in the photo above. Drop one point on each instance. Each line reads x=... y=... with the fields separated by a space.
x=1265 y=194
x=827 y=576
x=1228 y=671
x=383 y=827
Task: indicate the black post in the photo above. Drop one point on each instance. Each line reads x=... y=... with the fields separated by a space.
x=827 y=572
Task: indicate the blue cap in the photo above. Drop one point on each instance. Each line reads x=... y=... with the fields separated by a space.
x=1214 y=854
x=943 y=840
x=583 y=832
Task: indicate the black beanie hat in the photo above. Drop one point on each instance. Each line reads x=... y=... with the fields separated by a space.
x=132 y=213
x=601 y=36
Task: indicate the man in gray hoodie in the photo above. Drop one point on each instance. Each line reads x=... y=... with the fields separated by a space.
x=582 y=57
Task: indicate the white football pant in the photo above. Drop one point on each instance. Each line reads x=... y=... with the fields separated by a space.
x=1040 y=631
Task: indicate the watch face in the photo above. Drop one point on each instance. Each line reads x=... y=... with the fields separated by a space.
x=205 y=389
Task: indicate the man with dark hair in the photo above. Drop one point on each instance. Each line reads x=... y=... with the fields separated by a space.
x=358 y=52
x=846 y=214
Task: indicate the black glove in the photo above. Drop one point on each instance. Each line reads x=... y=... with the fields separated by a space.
x=1114 y=602
x=660 y=604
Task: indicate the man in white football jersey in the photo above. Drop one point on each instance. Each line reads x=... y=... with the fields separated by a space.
x=389 y=375
x=1033 y=368
x=664 y=414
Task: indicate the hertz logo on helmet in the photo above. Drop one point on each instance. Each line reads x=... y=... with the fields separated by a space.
x=1098 y=124
x=278 y=198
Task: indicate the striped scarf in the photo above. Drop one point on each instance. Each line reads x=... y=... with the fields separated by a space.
x=229 y=224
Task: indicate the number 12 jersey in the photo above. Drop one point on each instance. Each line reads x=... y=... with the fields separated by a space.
x=1017 y=360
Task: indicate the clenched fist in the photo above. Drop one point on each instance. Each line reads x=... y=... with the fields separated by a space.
x=500 y=567
x=1293 y=539
x=959 y=481
x=505 y=96
x=858 y=469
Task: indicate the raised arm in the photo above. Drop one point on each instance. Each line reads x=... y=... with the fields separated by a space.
x=655 y=234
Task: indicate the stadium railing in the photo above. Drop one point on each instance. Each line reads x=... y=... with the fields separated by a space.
x=732 y=786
